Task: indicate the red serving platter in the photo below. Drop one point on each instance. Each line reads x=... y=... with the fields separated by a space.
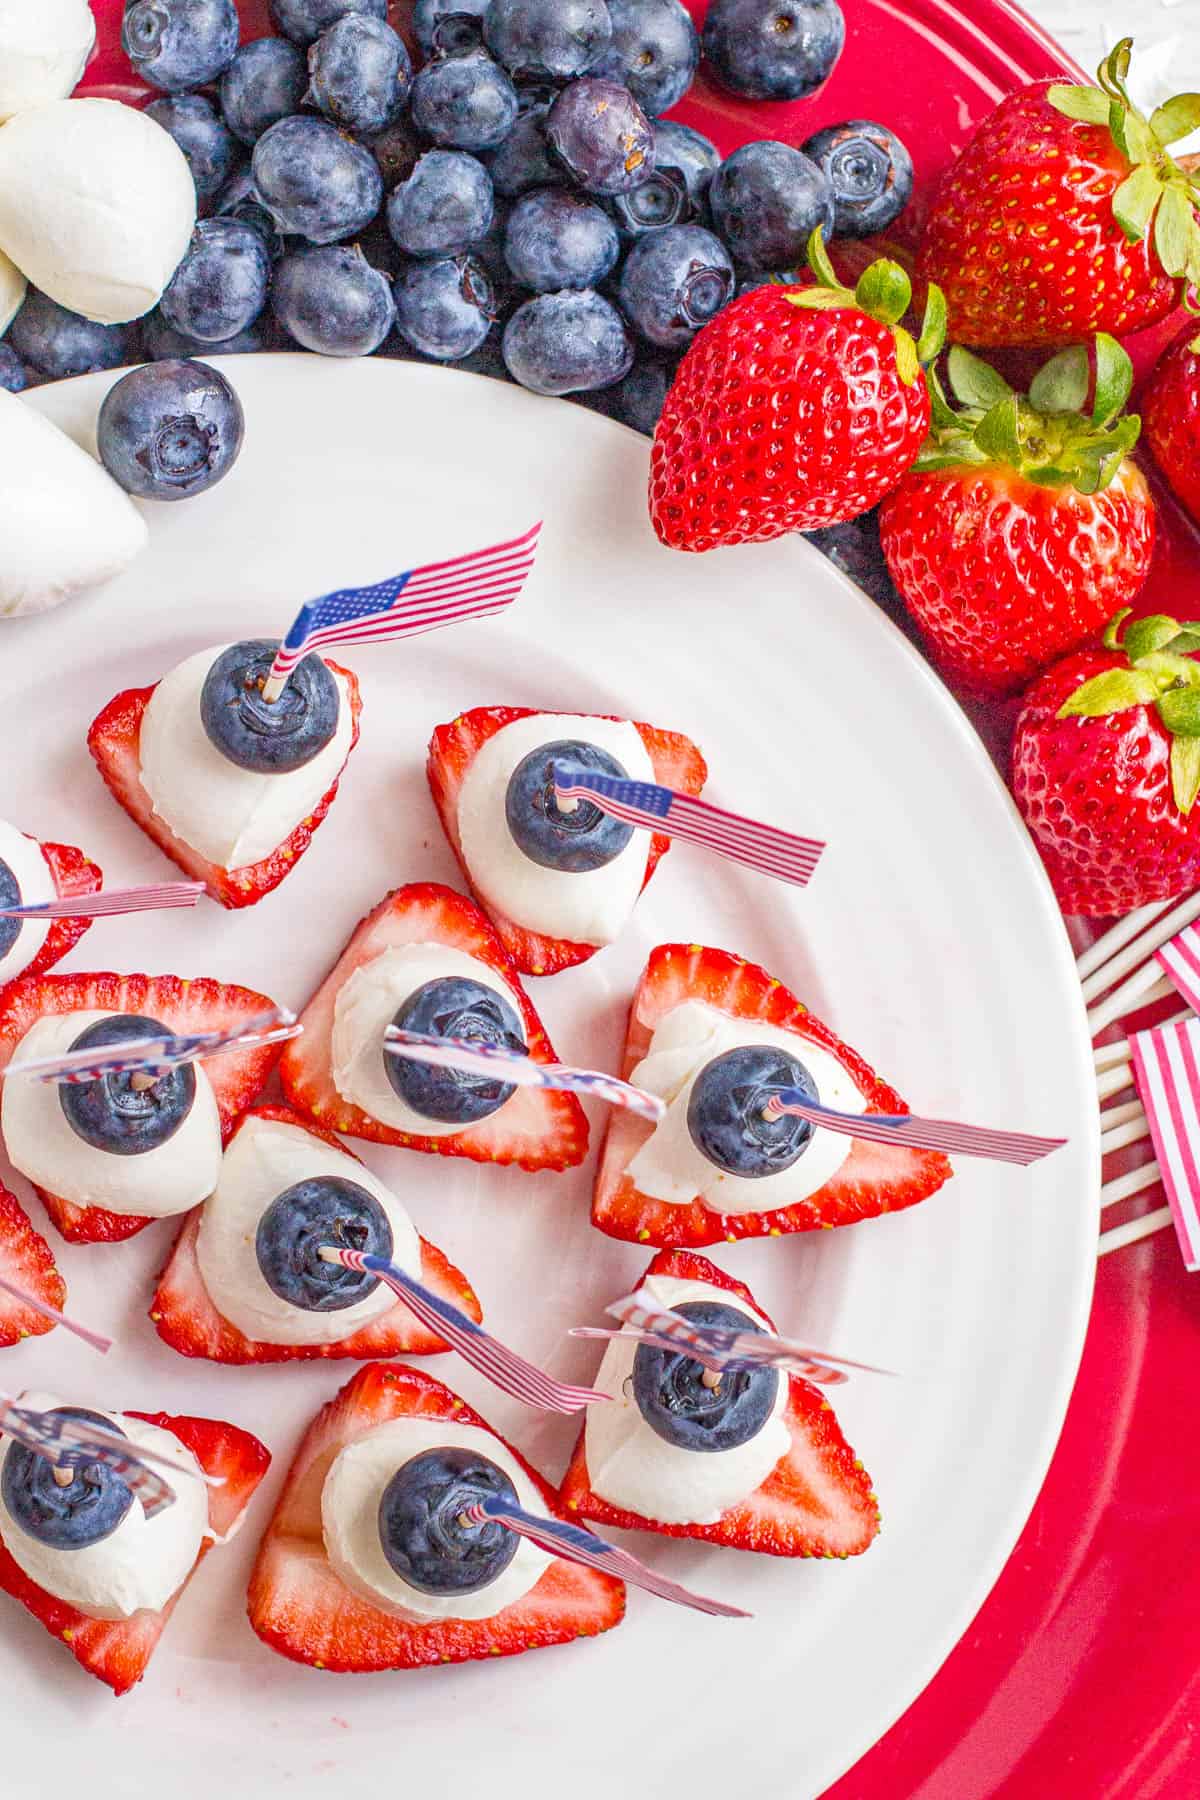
x=1080 y=1676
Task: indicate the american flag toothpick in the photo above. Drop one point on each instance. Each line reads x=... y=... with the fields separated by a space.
x=95 y=1338
x=156 y=1055
x=496 y=1062
x=918 y=1134
x=1166 y=1064
x=69 y=1443
x=110 y=902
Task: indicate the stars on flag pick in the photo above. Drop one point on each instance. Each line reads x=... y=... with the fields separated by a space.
x=1166 y=1071
x=919 y=1134
x=160 y=896
x=156 y=1055
x=496 y=1062
x=70 y=1444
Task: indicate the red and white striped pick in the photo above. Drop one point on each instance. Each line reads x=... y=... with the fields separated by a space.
x=1166 y=1069
x=95 y=1338
x=918 y=1134
x=158 y=896
x=1180 y=962
x=496 y=1062
x=68 y=1442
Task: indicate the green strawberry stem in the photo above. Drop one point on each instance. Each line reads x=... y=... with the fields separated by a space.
x=1159 y=672
x=884 y=293
x=1159 y=194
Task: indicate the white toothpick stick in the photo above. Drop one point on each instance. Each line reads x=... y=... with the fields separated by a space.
x=1122 y=1125
x=1122 y=933
x=1123 y=1187
x=1143 y=988
x=272 y=687
x=1133 y=1231
x=1136 y=950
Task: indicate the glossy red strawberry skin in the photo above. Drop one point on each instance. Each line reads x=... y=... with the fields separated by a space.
x=1096 y=796
x=300 y=1608
x=25 y=1259
x=117 y=1651
x=187 y=1319
x=1022 y=239
x=113 y=740
x=781 y=419
x=73 y=875
x=184 y=1006
x=1003 y=576
x=874 y=1179
x=676 y=762
x=785 y=1516
x=1171 y=417
x=536 y=1129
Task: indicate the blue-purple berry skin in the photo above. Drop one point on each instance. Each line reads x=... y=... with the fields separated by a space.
x=556 y=39
x=773 y=49
x=304 y=20
x=464 y=102
x=221 y=285
x=170 y=430
x=601 y=136
x=58 y=343
x=331 y=300
x=13 y=376
x=766 y=201
x=655 y=50
x=445 y=307
x=265 y=82
x=567 y=343
x=870 y=171
x=448 y=27
x=446 y=205
x=179 y=44
x=673 y=282
x=211 y=149
x=556 y=239
x=314 y=181
x=359 y=75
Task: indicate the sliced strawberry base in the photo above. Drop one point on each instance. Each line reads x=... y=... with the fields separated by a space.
x=117 y=1651
x=186 y=1318
x=536 y=1129
x=73 y=875
x=236 y=1077
x=677 y=764
x=874 y=1178
x=114 y=739
x=818 y=1501
x=299 y=1606
x=25 y=1259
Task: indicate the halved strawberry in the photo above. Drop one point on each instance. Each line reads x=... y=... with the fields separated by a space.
x=117 y=1651
x=72 y=875
x=299 y=1606
x=185 y=1317
x=26 y=1260
x=114 y=738
x=818 y=1501
x=185 y=1006
x=536 y=1129
x=874 y=1179
x=453 y=748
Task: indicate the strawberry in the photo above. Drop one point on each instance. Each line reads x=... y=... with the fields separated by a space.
x=300 y=1607
x=117 y=1651
x=874 y=1179
x=1106 y=768
x=25 y=1260
x=182 y=1005
x=113 y=740
x=536 y=1128
x=1171 y=411
x=186 y=1318
x=1024 y=524
x=453 y=748
x=72 y=875
x=1065 y=216
x=796 y=407
x=817 y=1501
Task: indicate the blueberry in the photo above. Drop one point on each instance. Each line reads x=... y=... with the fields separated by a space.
x=546 y=833
x=695 y=157
x=162 y=343
x=421 y=1524
x=557 y=239
x=179 y=44
x=767 y=200
x=523 y=161
x=221 y=285
x=870 y=171
x=267 y=737
x=445 y=306
x=10 y=887
x=112 y=1114
x=654 y=51
x=555 y=38
x=265 y=82
x=331 y=300
x=464 y=102
x=86 y=1511
x=170 y=430
x=56 y=342
x=673 y=1397
x=725 y=1111
x=13 y=376
x=315 y=182
x=448 y=27
x=359 y=74
x=238 y=199
x=601 y=135
x=773 y=49
x=454 y=1007
x=210 y=147
x=662 y=199
x=567 y=343
x=325 y=1209
x=446 y=204
x=397 y=150
x=304 y=20
x=673 y=282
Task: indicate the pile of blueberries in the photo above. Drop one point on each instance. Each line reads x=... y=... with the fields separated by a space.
x=516 y=205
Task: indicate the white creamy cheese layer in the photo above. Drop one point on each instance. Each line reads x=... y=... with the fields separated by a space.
x=44 y=47
x=32 y=875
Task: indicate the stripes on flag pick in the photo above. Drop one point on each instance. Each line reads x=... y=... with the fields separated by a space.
x=1180 y=962
x=721 y=1347
x=160 y=1053
x=661 y=809
x=69 y=1443
x=1166 y=1069
x=496 y=1062
x=918 y=1134
x=502 y=1366
x=95 y=1338
x=578 y=1545
x=474 y=586
x=157 y=897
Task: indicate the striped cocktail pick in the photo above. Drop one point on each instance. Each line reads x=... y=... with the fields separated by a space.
x=916 y=1134
x=69 y=1443
x=95 y=1338
x=1166 y=1068
x=160 y=896
x=502 y=1366
x=496 y=1062
x=1179 y=959
x=160 y=1053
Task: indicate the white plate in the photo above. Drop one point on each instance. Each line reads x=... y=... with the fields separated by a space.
x=929 y=940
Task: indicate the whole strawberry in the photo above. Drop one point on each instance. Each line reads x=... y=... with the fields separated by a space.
x=1171 y=413
x=1065 y=216
x=796 y=407
x=1106 y=768
x=1024 y=524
